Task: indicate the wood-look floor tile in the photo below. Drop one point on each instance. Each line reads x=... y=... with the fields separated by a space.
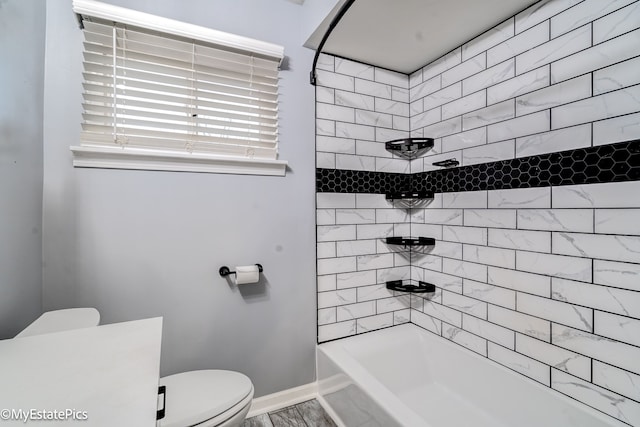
x=314 y=414
x=258 y=421
x=288 y=417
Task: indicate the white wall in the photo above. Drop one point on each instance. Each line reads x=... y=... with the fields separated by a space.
x=137 y=244
x=21 y=89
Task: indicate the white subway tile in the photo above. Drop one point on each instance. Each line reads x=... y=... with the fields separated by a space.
x=391 y=215
x=466 y=69
x=554 y=95
x=606 y=350
x=371 y=148
x=373 y=292
x=486 y=116
x=489 y=153
x=618 y=129
x=446 y=314
x=386 y=305
x=425 y=88
x=392 y=78
x=371 y=262
x=401 y=316
x=354 y=311
x=426 y=322
x=617 y=380
x=391 y=107
x=472 y=235
x=372 y=323
x=554 y=356
x=326 y=250
x=617 y=76
x=336 y=265
x=599 y=56
x=427 y=230
x=528 y=325
x=426 y=118
x=442 y=64
x=325 y=217
x=466 y=139
x=352 y=68
x=520 y=126
x=520 y=198
x=415 y=78
x=328 y=233
x=614 y=248
x=604 y=298
x=498 y=218
x=465 y=304
x=336 y=330
x=557 y=48
x=445 y=249
x=518 y=44
x=443 y=216
x=556 y=311
x=580 y=220
x=520 y=363
x=335 y=145
x=490 y=256
x=617 y=274
x=400 y=94
x=355 y=279
x=534 y=241
x=617 y=23
x=350 y=130
x=443 y=96
x=333 y=80
x=465 y=339
x=607 y=195
x=541 y=11
x=498 y=334
x=364 y=201
x=395 y=273
x=327 y=283
x=444 y=128
x=468 y=270
x=554 y=141
x=325 y=160
x=488 y=39
x=355 y=247
x=464 y=105
x=429 y=262
x=583 y=13
x=326 y=62
x=520 y=281
x=465 y=199
x=336 y=298
x=443 y=281
x=401 y=123
x=554 y=265
x=392 y=165
x=617 y=327
x=490 y=293
x=617 y=221
x=383 y=135
x=367 y=87
x=623 y=409
x=325 y=127
x=326 y=315
x=524 y=83
x=351 y=162
x=355 y=100
x=610 y=104
x=371 y=118
x=491 y=76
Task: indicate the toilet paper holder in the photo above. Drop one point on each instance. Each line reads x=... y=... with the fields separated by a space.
x=224 y=270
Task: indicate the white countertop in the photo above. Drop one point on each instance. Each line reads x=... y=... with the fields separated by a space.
x=110 y=371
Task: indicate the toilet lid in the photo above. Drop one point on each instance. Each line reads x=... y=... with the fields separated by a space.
x=197 y=396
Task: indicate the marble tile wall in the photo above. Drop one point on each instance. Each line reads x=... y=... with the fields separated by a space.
x=543 y=280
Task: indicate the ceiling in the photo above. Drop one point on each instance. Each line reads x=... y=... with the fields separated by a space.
x=404 y=35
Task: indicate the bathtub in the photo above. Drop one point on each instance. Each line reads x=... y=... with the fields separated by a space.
x=406 y=376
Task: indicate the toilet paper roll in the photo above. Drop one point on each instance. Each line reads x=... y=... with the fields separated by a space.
x=247 y=274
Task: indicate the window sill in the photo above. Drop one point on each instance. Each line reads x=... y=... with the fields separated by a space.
x=118 y=158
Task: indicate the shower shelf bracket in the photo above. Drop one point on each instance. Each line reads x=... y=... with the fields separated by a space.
x=421 y=287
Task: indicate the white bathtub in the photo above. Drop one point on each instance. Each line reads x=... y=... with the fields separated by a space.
x=406 y=376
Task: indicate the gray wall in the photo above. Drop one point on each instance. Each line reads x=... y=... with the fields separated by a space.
x=137 y=244
x=22 y=51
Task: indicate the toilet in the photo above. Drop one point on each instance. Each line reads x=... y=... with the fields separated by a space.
x=207 y=398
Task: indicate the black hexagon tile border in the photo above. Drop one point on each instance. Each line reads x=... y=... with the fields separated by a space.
x=605 y=163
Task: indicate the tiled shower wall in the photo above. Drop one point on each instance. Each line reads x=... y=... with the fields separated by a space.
x=542 y=279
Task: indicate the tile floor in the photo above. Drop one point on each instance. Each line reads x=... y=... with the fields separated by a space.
x=305 y=414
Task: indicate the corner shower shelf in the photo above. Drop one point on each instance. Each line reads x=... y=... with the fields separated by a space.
x=411 y=241
x=409 y=148
x=409 y=199
x=421 y=287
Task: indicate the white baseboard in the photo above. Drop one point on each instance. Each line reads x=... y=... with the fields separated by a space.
x=282 y=399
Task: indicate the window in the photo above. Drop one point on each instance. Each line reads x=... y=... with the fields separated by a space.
x=164 y=95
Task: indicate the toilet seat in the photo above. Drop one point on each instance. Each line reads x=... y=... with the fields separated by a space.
x=207 y=398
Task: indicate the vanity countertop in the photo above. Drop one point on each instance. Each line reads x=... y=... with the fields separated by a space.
x=109 y=371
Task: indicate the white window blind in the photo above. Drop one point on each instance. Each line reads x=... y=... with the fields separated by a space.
x=150 y=95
